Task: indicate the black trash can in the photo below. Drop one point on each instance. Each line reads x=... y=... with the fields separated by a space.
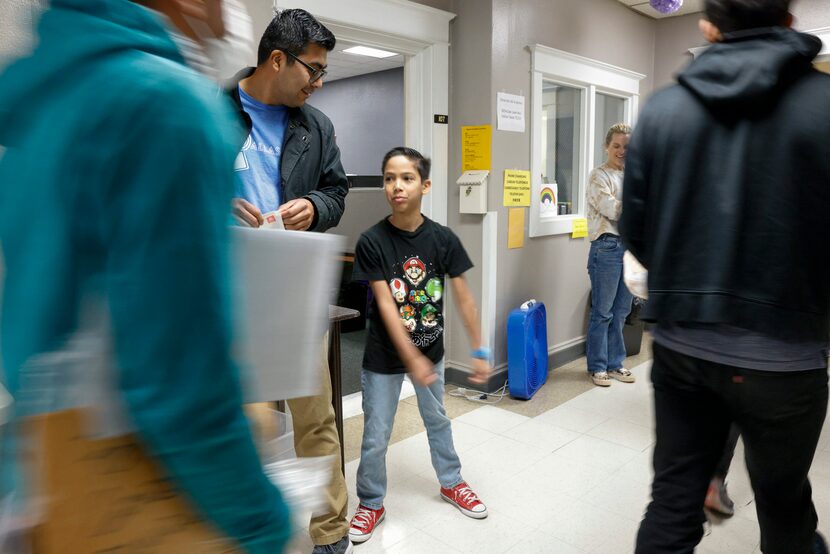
x=633 y=328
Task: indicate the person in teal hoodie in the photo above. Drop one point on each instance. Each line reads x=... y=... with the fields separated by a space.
x=115 y=183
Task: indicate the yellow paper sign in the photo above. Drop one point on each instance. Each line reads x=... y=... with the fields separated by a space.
x=516 y=187
x=475 y=147
x=579 y=229
x=515 y=228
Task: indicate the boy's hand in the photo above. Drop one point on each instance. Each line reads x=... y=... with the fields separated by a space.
x=481 y=372
x=421 y=371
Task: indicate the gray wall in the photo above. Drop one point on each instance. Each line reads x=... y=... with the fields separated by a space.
x=550 y=269
x=675 y=35
x=368 y=116
x=364 y=208
x=261 y=12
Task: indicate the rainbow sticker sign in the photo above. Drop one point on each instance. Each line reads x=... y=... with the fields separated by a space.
x=547 y=201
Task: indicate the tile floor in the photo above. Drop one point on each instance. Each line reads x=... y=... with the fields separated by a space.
x=572 y=479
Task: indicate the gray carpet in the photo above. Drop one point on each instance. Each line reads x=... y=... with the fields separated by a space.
x=351 y=350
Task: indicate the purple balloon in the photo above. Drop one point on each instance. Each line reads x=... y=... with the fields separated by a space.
x=666 y=6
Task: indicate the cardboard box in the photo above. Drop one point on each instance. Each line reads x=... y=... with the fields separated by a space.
x=108 y=496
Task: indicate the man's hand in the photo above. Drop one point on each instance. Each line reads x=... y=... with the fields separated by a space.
x=246 y=213
x=481 y=372
x=421 y=370
x=297 y=214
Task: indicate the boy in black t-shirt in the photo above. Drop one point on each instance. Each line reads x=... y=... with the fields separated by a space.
x=405 y=258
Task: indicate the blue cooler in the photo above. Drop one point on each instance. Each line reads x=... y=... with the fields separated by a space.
x=527 y=349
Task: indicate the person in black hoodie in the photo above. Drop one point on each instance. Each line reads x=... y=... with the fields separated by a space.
x=727 y=190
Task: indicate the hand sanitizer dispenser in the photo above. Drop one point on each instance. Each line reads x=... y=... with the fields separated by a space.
x=472 y=189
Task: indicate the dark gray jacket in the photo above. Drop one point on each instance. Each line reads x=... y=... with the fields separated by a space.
x=310 y=163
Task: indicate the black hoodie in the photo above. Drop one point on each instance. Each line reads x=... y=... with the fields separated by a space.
x=727 y=189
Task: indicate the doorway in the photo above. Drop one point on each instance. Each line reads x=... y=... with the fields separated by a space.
x=424 y=42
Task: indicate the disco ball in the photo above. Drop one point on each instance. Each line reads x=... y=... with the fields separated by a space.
x=666 y=6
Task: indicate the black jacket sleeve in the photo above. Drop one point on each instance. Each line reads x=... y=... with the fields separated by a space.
x=329 y=198
x=636 y=186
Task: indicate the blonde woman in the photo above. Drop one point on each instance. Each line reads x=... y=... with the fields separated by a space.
x=610 y=299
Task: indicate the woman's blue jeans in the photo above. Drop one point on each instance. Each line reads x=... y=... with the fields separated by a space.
x=610 y=304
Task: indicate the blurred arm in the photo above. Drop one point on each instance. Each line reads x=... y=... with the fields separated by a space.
x=167 y=283
x=466 y=305
x=329 y=199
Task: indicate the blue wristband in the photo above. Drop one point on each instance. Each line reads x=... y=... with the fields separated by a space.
x=482 y=353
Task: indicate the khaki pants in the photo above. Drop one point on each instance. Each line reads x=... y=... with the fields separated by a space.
x=315 y=434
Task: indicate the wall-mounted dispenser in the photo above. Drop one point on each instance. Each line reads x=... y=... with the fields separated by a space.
x=472 y=189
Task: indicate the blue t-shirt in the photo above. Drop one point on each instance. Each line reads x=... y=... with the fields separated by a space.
x=258 y=163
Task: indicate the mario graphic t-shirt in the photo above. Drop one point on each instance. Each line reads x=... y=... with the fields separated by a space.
x=413 y=264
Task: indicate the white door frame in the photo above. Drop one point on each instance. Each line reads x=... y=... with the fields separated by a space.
x=422 y=34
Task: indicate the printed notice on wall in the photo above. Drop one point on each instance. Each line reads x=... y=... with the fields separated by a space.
x=511 y=110
x=579 y=229
x=475 y=147
x=516 y=228
x=516 y=188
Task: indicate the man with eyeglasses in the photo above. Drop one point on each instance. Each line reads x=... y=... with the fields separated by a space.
x=290 y=164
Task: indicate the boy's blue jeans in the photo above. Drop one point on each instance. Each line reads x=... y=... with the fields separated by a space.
x=610 y=304
x=380 y=402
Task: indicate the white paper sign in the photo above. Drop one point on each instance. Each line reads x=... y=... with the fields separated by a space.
x=511 y=110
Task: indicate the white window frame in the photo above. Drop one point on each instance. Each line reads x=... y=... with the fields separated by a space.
x=550 y=64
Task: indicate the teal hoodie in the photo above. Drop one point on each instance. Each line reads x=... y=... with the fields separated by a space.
x=116 y=180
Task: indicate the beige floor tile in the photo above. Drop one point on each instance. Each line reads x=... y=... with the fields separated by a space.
x=493 y=419
x=627 y=499
x=497 y=533
x=418 y=543
x=732 y=536
x=540 y=542
x=624 y=433
x=620 y=542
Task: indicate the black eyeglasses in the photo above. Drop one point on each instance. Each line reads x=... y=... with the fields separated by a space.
x=314 y=74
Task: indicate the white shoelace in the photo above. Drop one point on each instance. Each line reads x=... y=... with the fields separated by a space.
x=467 y=495
x=362 y=518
